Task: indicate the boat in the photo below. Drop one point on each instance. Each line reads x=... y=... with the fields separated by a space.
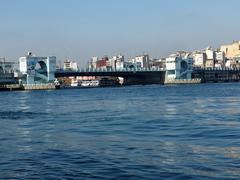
x=57 y=84
x=75 y=83
x=93 y=83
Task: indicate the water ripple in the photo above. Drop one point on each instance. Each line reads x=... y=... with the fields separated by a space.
x=138 y=132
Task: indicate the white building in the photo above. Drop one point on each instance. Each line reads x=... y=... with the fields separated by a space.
x=211 y=57
x=220 y=56
x=199 y=59
x=117 y=62
x=228 y=63
x=93 y=63
x=220 y=59
x=70 y=65
x=159 y=63
x=141 y=61
x=178 y=67
x=210 y=53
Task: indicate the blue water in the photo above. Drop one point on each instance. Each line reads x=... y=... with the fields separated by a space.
x=135 y=132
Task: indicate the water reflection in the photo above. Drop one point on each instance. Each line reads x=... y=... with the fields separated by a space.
x=23 y=103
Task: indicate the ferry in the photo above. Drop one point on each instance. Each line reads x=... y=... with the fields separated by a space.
x=89 y=83
x=75 y=83
x=104 y=82
x=94 y=83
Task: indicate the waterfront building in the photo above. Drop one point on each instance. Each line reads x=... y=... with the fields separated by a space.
x=141 y=61
x=182 y=54
x=112 y=63
x=70 y=65
x=228 y=63
x=159 y=63
x=178 y=67
x=210 y=54
x=233 y=63
x=236 y=62
x=209 y=58
x=220 y=58
x=117 y=62
x=102 y=63
x=199 y=59
x=92 y=64
x=120 y=64
x=231 y=50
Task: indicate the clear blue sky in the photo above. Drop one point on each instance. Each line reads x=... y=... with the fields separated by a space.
x=80 y=29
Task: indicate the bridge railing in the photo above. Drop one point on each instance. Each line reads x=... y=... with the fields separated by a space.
x=137 y=69
x=115 y=70
x=216 y=69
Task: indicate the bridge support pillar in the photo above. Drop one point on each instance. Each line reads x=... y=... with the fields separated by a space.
x=37 y=70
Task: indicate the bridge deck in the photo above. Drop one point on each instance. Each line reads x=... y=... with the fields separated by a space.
x=114 y=73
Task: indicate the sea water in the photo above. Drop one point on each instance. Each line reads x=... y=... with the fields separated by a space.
x=134 y=132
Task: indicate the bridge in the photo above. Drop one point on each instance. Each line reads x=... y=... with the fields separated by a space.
x=224 y=69
x=130 y=75
x=155 y=75
x=42 y=70
x=217 y=74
